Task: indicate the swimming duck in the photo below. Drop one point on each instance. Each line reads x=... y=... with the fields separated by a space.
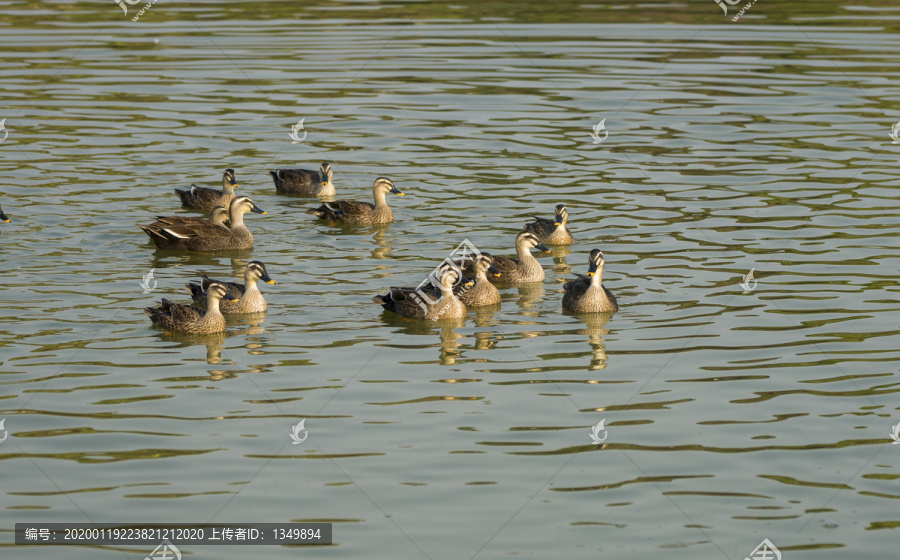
x=587 y=294
x=483 y=292
x=436 y=304
x=304 y=181
x=250 y=299
x=204 y=236
x=525 y=268
x=184 y=318
x=354 y=212
x=218 y=216
x=3 y=217
x=552 y=232
x=202 y=198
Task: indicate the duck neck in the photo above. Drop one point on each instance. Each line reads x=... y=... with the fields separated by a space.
x=447 y=292
x=597 y=279
x=524 y=254
x=250 y=284
x=237 y=219
x=227 y=187
x=212 y=307
x=380 y=198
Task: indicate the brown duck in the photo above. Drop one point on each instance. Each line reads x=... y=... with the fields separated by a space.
x=553 y=232
x=427 y=302
x=204 y=236
x=249 y=298
x=202 y=198
x=482 y=292
x=525 y=268
x=355 y=212
x=587 y=294
x=183 y=318
x=304 y=181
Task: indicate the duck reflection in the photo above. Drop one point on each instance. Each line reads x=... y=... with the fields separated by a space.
x=594 y=329
x=530 y=294
x=444 y=328
x=559 y=253
x=195 y=263
x=214 y=343
x=383 y=251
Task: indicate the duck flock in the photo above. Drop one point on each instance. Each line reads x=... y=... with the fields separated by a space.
x=455 y=286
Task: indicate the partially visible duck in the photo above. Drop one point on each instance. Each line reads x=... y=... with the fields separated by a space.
x=218 y=216
x=587 y=294
x=525 y=268
x=202 y=198
x=426 y=302
x=250 y=299
x=483 y=292
x=304 y=181
x=355 y=212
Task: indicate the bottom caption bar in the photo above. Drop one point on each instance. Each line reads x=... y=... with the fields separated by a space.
x=173 y=534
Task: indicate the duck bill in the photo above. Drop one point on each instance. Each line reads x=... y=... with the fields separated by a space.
x=592 y=270
x=234 y=185
x=493 y=270
x=267 y=279
x=542 y=247
x=4 y=218
x=396 y=191
x=258 y=210
x=229 y=297
x=557 y=220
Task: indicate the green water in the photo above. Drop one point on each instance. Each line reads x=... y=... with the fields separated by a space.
x=731 y=416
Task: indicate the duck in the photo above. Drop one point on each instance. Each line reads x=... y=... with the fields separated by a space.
x=218 y=216
x=426 y=302
x=587 y=294
x=304 y=181
x=203 y=236
x=183 y=318
x=482 y=292
x=250 y=299
x=3 y=217
x=525 y=268
x=202 y=198
x=355 y=212
x=552 y=232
